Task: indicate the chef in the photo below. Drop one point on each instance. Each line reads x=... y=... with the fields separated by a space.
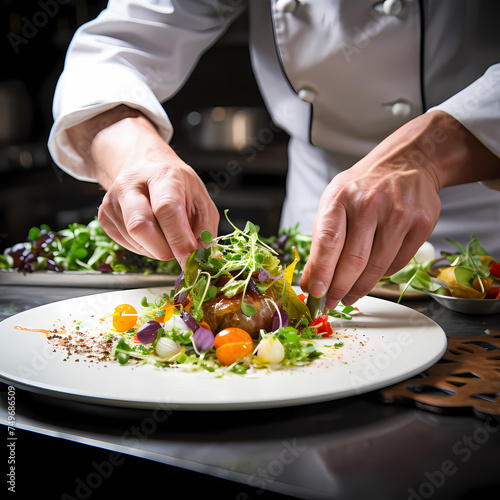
x=393 y=112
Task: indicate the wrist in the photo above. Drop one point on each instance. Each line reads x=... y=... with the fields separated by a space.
x=454 y=154
x=106 y=140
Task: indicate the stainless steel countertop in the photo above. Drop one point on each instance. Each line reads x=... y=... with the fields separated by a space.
x=353 y=448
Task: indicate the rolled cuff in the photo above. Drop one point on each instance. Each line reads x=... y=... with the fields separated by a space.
x=115 y=85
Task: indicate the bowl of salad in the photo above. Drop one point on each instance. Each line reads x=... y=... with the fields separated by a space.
x=466 y=281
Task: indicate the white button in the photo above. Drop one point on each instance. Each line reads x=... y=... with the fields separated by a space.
x=286 y=5
x=390 y=7
x=401 y=108
x=307 y=95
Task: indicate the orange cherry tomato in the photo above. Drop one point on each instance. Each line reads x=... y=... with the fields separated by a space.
x=302 y=297
x=229 y=335
x=227 y=354
x=124 y=323
x=232 y=344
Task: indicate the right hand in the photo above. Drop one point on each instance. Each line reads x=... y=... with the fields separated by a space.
x=155 y=204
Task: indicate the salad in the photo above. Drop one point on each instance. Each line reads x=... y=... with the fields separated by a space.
x=79 y=247
x=470 y=273
x=288 y=241
x=233 y=309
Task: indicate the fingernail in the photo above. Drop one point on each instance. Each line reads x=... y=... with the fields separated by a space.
x=318 y=289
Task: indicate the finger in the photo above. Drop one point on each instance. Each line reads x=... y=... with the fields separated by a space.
x=110 y=227
x=141 y=225
x=354 y=257
x=328 y=240
x=385 y=249
x=207 y=220
x=174 y=224
x=393 y=248
x=422 y=228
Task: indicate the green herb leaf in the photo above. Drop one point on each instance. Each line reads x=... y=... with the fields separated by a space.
x=34 y=233
x=247 y=309
x=464 y=275
x=206 y=236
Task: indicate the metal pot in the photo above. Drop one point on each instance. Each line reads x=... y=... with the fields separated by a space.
x=225 y=128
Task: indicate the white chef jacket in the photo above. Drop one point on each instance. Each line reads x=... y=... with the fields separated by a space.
x=337 y=75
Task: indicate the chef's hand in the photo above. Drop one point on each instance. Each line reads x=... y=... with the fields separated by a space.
x=374 y=216
x=155 y=204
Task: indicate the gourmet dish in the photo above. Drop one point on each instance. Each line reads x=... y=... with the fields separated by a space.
x=232 y=309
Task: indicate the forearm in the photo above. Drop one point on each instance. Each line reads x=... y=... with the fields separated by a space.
x=439 y=142
x=111 y=141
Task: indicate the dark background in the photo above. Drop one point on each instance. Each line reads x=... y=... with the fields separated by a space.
x=33 y=190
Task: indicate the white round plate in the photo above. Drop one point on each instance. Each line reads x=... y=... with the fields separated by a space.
x=383 y=344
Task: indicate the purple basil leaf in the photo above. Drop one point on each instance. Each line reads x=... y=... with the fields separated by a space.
x=203 y=340
x=104 y=268
x=280 y=319
x=190 y=321
x=282 y=240
x=178 y=281
x=264 y=275
x=52 y=266
x=148 y=332
x=254 y=288
x=179 y=299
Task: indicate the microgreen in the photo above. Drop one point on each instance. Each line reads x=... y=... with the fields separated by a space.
x=236 y=255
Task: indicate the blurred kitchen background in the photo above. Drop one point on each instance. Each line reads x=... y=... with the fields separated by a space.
x=221 y=126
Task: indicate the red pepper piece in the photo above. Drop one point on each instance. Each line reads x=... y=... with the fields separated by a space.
x=322 y=325
x=494 y=270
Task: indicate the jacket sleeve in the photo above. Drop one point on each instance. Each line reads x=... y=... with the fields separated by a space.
x=137 y=53
x=477 y=107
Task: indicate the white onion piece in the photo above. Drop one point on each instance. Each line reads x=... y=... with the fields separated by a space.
x=270 y=351
x=177 y=322
x=425 y=253
x=166 y=348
